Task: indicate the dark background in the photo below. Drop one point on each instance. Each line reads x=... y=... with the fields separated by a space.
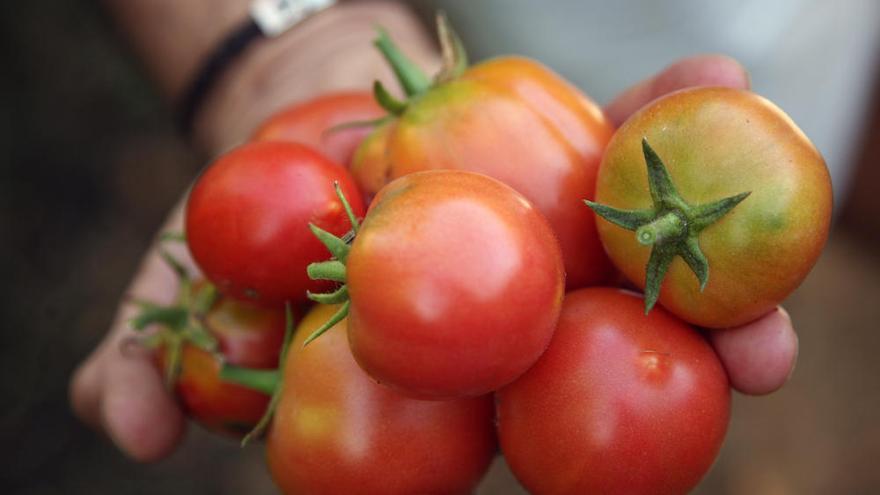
x=89 y=165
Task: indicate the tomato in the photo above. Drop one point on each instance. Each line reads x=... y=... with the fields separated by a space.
x=247 y=219
x=369 y=163
x=312 y=122
x=246 y=335
x=620 y=403
x=516 y=121
x=336 y=431
x=454 y=284
x=716 y=144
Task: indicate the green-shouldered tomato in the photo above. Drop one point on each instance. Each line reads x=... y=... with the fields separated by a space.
x=737 y=196
x=510 y=118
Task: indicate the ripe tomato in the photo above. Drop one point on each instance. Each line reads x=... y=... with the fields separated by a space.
x=620 y=403
x=246 y=335
x=719 y=143
x=337 y=431
x=247 y=219
x=309 y=122
x=516 y=121
x=455 y=282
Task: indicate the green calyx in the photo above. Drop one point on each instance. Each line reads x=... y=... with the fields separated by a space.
x=671 y=226
x=410 y=76
x=182 y=323
x=269 y=382
x=333 y=269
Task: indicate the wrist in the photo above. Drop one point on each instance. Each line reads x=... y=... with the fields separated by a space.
x=330 y=51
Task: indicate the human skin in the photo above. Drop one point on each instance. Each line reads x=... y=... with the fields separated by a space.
x=123 y=395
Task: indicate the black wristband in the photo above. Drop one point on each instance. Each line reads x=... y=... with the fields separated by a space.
x=268 y=18
x=213 y=67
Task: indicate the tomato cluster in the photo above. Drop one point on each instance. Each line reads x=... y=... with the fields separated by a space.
x=461 y=308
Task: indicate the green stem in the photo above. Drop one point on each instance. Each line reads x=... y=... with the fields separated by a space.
x=345 y=204
x=175 y=265
x=265 y=381
x=672 y=225
x=387 y=101
x=455 y=60
x=410 y=76
x=333 y=270
x=338 y=296
x=204 y=300
x=278 y=389
x=174 y=350
x=668 y=226
x=172 y=236
x=327 y=270
x=174 y=317
x=336 y=318
x=337 y=247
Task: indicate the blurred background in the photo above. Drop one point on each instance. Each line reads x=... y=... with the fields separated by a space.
x=90 y=163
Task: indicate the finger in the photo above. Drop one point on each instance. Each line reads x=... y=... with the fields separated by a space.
x=136 y=412
x=702 y=70
x=760 y=356
x=85 y=392
x=123 y=394
x=155 y=282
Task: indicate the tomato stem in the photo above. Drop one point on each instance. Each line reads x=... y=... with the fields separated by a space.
x=265 y=381
x=327 y=270
x=352 y=218
x=336 y=318
x=666 y=227
x=455 y=59
x=337 y=247
x=355 y=124
x=411 y=78
x=671 y=226
x=181 y=322
x=333 y=270
x=278 y=385
x=172 y=236
x=174 y=354
x=340 y=295
x=387 y=101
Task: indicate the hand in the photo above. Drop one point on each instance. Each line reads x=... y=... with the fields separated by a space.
x=123 y=395
x=760 y=356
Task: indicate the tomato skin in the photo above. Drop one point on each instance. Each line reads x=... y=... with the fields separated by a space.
x=337 y=431
x=621 y=403
x=371 y=158
x=247 y=335
x=455 y=282
x=308 y=122
x=247 y=219
x=518 y=122
x=718 y=142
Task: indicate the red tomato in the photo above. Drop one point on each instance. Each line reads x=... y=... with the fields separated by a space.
x=717 y=143
x=621 y=403
x=247 y=219
x=515 y=120
x=309 y=122
x=455 y=282
x=247 y=336
x=336 y=431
